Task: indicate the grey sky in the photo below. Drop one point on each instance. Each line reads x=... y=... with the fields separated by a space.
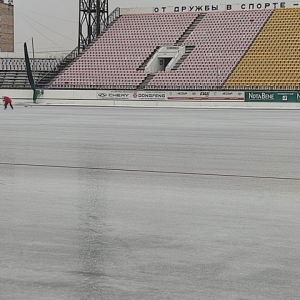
x=59 y=33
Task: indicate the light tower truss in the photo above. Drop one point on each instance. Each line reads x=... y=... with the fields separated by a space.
x=93 y=19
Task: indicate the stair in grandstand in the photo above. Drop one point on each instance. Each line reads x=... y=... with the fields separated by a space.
x=71 y=57
x=188 y=50
x=49 y=76
x=145 y=62
x=74 y=55
x=190 y=29
x=145 y=81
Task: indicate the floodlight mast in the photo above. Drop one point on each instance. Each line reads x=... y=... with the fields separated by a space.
x=93 y=19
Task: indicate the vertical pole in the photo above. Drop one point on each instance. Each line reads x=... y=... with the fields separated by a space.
x=79 y=27
x=107 y=14
x=217 y=77
x=90 y=30
x=98 y=20
x=33 y=61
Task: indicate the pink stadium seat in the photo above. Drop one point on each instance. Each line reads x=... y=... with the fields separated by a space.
x=118 y=53
x=220 y=40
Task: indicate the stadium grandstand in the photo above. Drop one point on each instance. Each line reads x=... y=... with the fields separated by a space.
x=233 y=47
x=13 y=72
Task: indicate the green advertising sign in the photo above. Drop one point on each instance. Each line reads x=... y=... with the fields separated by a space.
x=267 y=96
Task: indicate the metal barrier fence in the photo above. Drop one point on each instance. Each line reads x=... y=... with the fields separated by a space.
x=178 y=88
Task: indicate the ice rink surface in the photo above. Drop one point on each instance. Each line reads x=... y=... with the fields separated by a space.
x=124 y=203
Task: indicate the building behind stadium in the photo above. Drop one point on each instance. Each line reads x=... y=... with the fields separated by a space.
x=6 y=27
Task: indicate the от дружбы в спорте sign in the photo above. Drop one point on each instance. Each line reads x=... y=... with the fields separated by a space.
x=227 y=7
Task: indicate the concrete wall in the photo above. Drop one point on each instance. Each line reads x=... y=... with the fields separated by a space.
x=136 y=10
x=173 y=99
x=54 y=96
x=100 y=95
x=7 y=27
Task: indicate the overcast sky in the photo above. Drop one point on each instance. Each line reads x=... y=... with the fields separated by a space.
x=54 y=24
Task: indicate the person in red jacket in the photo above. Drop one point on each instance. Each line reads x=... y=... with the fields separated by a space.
x=7 y=101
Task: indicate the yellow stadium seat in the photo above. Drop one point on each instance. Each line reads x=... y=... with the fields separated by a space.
x=272 y=61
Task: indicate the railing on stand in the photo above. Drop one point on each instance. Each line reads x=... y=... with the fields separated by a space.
x=42 y=83
x=178 y=88
x=115 y=14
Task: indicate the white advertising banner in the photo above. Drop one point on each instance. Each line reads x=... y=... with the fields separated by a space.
x=149 y=95
x=131 y=95
x=114 y=95
x=206 y=95
x=171 y=95
x=183 y=95
x=223 y=95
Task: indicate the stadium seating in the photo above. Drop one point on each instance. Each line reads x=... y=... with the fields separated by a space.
x=13 y=71
x=272 y=62
x=254 y=49
x=221 y=39
x=39 y=64
x=113 y=60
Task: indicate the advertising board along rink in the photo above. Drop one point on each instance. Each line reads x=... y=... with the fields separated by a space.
x=171 y=95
